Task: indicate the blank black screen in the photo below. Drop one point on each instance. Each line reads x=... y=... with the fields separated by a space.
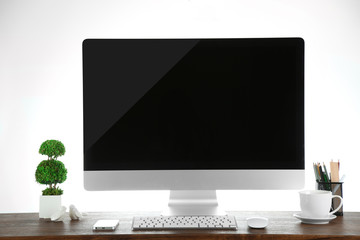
x=169 y=104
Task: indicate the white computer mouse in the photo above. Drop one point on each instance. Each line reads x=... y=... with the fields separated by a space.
x=257 y=222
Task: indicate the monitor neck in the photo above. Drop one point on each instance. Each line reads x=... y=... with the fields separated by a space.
x=193 y=202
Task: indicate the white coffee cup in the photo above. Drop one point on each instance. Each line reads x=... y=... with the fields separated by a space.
x=317 y=203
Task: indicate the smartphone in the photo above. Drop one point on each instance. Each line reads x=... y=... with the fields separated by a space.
x=105 y=225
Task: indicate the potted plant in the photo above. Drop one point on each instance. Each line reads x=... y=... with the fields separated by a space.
x=51 y=172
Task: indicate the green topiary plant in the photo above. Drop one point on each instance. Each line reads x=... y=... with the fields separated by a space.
x=52 y=149
x=51 y=171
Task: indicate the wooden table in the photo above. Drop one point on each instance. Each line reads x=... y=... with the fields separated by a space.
x=282 y=225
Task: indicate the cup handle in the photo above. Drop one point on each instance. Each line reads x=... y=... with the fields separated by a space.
x=340 y=205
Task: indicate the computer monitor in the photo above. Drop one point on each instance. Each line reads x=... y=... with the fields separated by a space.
x=193 y=116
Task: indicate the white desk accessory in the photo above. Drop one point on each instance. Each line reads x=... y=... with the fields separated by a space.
x=74 y=213
x=225 y=222
x=257 y=222
x=310 y=220
x=106 y=225
x=59 y=215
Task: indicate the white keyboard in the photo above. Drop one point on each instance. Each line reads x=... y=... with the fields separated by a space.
x=185 y=222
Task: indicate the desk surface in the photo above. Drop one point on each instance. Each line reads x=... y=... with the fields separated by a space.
x=282 y=225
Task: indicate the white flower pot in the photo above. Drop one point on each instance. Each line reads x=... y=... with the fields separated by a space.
x=49 y=205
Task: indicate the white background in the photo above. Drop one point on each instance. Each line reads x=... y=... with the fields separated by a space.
x=41 y=86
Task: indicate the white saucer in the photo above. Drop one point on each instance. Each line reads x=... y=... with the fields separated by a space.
x=314 y=220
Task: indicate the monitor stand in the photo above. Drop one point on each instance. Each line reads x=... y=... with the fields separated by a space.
x=193 y=202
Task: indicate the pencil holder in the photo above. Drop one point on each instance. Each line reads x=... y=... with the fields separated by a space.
x=337 y=189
